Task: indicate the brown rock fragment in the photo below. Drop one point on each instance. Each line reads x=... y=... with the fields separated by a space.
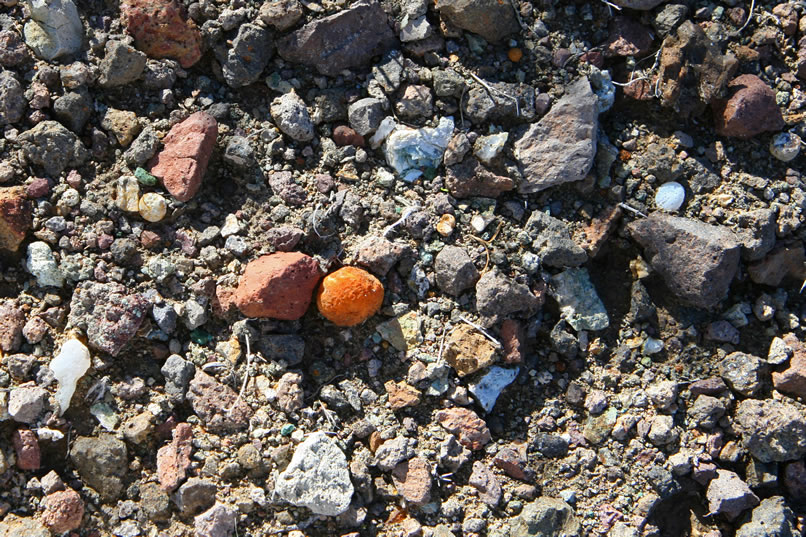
x=468 y=351
x=278 y=286
x=749 y=110
x=402 y=394
x=513 y=337
x=26 y=445
x=162 y=30
x=471 y=430
x=412 y=478
x=173 y=460
x=16 y=217
x=63 y=511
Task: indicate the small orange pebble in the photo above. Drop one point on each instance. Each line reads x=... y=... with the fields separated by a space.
x=349 y=296
x=515 y=54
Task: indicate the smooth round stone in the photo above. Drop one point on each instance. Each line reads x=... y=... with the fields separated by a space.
x=785 y=146
x=153 y=207
x=670 y=196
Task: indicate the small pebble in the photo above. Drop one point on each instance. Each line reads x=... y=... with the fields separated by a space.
x=153 y=207
x=785 y=146
x=670 y=196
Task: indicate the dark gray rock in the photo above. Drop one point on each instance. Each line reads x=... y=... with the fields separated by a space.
x=480 y=106
x=550 y=445
x=101 y=463
x=552 y=241
x=662 y=481
x=544 y=517
x=365 y=115
x=121 y=65
x=12 y=99
x=389 y=72
x=347 y=39
x=52 y=147
x=251 y=51
x=497 y=295
x=744 y=373
x=772 y=518
x=73 y=109
x=491 y=19
x=239 y=153
x=697 y=261
x=469 y=178
x=454 y=271
x=706 y=411
x=560 y=148
x=641 y=306
x=195 y=495
x=177 y=372
x=142 y=148
x=448 y=83
x=772 y=431
x=756 y=233
x=669 y=17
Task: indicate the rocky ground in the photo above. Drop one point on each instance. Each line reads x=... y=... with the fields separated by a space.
x=472 y=267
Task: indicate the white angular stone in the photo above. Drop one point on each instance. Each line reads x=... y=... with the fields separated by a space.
x=317 y=477
x=488 y=148
x=68 y=367
x=41 y=263
x=490 y=386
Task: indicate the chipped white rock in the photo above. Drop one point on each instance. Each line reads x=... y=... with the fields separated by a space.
x=410 y=151
x=317 y=477
x=232 y=226
x=670 y=196
x=490 y=386
x=785 y=146
x=488 y=148
x=382 y=132
x=41 y=263
x=68 y=367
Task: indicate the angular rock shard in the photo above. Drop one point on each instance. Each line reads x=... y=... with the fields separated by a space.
x=560 y=148
x=341 y=41
x=182 y=163
x=696 y=260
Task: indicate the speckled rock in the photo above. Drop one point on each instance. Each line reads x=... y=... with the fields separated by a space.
x=772 y=431
x=162 y=30
x=217 y=405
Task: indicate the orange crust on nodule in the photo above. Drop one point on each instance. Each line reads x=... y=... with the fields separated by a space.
x=349 y=296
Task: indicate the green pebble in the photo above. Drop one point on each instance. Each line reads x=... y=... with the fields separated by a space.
x=200 y=337
x=145 y=178
x=287 y=429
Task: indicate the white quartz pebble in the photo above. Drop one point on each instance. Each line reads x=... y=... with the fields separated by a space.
x=68 y=367
x=670 y=196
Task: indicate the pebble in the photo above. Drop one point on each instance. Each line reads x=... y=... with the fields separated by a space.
x=217 y=405
x=412 y=479
x=378 y=254
x=291 y=116
x=52 y=147
x=543 y=517
x=218 y=521
x=317 y=477
x=402 y=394
x=344 y=40
x=54 y=30
x=670 y=196
x=498 y=295
x=772 y=431
x=277 y=286
x=12 y=99
x=16 y=217
x=365 y=115
x=743 y=372
x=349 y=296
x=728 y=495
x=561 y=147
x=486 y=483
x=128 y=194
x=63 y=511
x=161 y=30
x=121 y=65
x=26 y=403
x=152 y=207
x=579 y=303
x=173 y=460
x=251 y=51
x=446 y=225
x=182 y=163
x=101 y=463
x=772 y=517
x=749 y=110
x=489 y=387
x=68 y=367
x=468 y=351
x=41 y=263
x=281 y=14
x=195 y=495
x=454 y=271
x=487 y=18
x=785 y=146
x=471 y=430
x=791 y=380
x=26 y=447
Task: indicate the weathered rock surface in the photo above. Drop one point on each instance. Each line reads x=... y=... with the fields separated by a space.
x=772 y=431
x=697 y=261
x=749 y=109
x=490 y=19
x=560 y=148
x=162 y=30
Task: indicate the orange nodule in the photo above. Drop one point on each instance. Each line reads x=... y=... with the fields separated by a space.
x=349 y=296
x=515 y=54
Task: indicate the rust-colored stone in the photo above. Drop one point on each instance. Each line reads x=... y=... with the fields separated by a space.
x=278 y=286
x=162 y=30
x=349 y=296
x=16 y=217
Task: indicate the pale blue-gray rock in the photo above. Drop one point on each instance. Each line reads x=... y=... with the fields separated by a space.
x=317 y=477
x=54 y=30
x=772 y=518
x=487 y=389
x=579 y=303
x=670 y=196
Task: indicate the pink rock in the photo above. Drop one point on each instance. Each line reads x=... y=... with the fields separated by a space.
x=173 y=460
x=161 y=30
x=627 y=38
x=792 y=380
x=27 y=447
x=12 y=320
x=63 y=511
x=278 y=286
x=471 y=430
x=750 y=110
x=483 y=480
x=183 y=161
x=514 y=339
x=38 y=188
x=412 y=480
x=16 y=217
x=783 y=261
x=218 y=406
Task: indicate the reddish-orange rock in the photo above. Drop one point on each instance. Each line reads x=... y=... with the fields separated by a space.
x=750 y=110
x=63 y=511
x=161 y=30
x=173 y=460
x=349 y=296
x=278 y=286
x=183 y=161
x=402 y=394
x=471 y=430
x=16 y=216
